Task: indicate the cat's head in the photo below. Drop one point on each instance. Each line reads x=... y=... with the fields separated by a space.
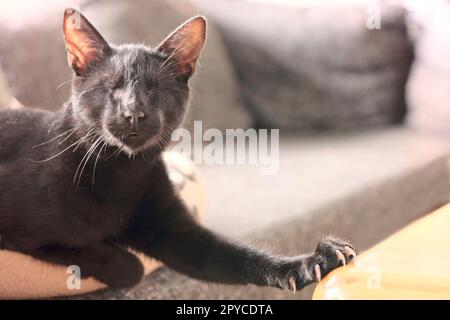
x=131 y=95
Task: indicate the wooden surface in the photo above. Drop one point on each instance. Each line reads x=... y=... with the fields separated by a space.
x=414 y=263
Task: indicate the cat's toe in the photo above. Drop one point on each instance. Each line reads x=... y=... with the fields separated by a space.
x=350 y=253
x=330 y=254
x=293 y=275
x=302 y=271
x=341 y=258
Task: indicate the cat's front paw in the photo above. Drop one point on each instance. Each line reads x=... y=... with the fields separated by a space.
x=330 y=253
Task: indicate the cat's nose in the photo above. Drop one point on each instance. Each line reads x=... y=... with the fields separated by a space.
x=134 y=115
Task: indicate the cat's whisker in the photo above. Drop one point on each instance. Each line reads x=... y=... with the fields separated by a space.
x=77 y=143
x=62 y=84
x=62 y=141
x=54 y=138
x=89 y=90
x=168 y=129
x=85 y=160
x=75 y=177
x=112 y=154
x=84 y=138
x=87 y=156
x=96 y=160
x=119 y=151
x=160 y=142
x=116 y=153
x=112 y=144
x=56 y=155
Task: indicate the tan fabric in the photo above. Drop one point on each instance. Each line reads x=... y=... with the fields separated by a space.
x=6 y=99
x=24 y=277
x=5 y=95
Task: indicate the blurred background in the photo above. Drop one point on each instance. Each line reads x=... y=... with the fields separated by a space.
x=360 y=91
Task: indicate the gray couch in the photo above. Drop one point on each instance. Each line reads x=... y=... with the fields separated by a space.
x=362 y=185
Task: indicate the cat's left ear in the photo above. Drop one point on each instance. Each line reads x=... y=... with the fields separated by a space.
x=184 y=44
x=83 y=42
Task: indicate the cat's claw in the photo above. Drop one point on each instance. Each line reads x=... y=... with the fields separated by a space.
x=330 y=254
x=292 y=284
x=317 y=272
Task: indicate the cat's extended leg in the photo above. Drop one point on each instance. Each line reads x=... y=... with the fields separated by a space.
x=110 y=264
x=167 y=232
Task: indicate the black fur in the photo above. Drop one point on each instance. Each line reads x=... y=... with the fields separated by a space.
x=79 y=185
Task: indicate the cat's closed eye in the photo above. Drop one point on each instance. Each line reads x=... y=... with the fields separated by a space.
x=115 y=83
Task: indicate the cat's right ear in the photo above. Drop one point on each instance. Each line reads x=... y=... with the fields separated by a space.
x=84 y=43
x=183 y=45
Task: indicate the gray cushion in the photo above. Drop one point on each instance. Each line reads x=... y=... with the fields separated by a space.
x=314 y=67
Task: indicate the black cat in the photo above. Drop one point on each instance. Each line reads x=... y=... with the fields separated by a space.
x=79 y=185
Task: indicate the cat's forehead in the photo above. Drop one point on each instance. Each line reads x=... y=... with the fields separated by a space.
x=134 y=60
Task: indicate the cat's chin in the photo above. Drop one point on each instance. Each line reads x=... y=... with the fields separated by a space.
x=133 y=142
x=131 y=145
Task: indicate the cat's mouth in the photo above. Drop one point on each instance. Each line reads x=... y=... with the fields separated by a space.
x=134 y=139
x=132 y=142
